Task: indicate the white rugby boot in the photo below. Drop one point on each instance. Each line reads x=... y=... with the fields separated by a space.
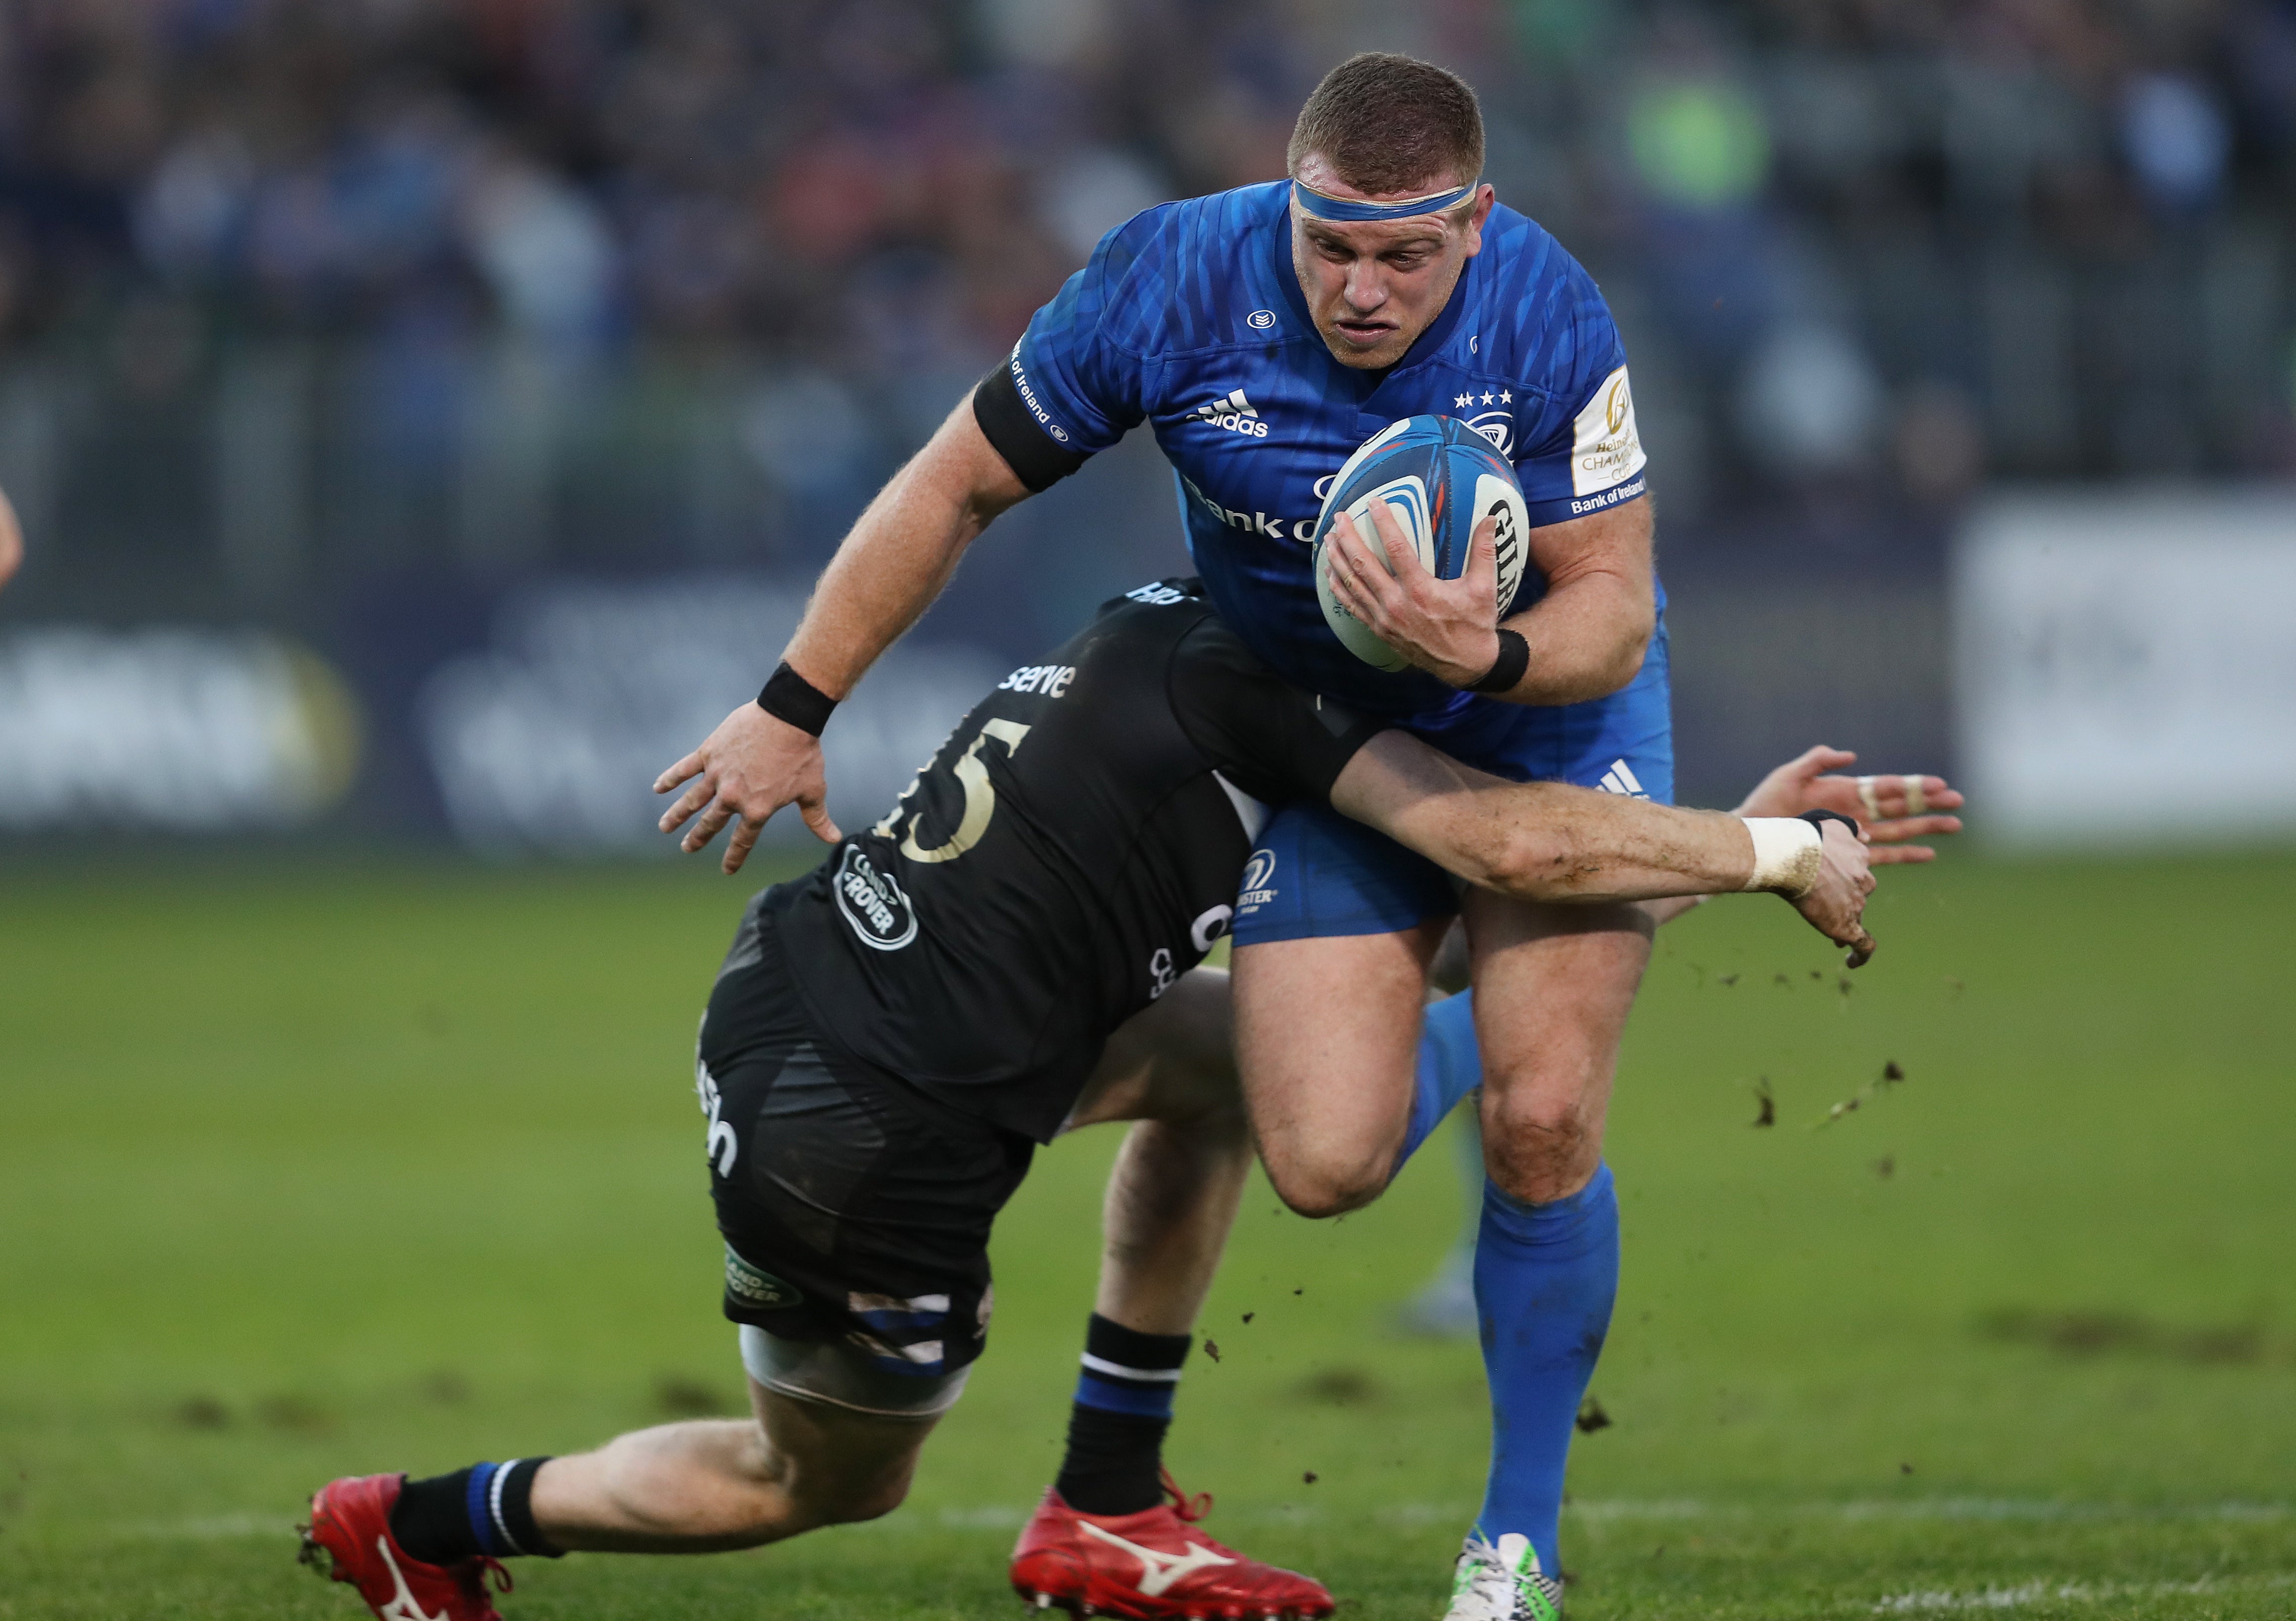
x=1502 y=1582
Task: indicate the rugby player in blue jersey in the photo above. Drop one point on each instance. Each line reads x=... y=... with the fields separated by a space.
x=1263 y=334
x=1013 y=952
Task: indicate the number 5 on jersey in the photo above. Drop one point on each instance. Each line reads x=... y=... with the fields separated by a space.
x=980 y=796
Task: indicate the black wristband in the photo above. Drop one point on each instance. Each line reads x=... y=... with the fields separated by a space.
x=790 y=696
x=1506 y=673
x=1819 y=818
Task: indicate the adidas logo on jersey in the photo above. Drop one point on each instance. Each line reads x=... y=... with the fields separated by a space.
x=1234 y=412
x=1620 y=780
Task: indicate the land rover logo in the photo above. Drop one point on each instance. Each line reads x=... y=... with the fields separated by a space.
x=757 y=1288
x=873 y=903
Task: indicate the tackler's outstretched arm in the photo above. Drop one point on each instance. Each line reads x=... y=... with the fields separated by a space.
x=1549 y=841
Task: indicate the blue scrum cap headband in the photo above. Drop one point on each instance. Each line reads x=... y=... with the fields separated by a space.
x=1323 y=205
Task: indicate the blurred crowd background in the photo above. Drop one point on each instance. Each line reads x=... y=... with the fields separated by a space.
x=368 y=321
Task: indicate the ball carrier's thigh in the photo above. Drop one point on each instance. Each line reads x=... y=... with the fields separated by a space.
x=1554 y=984
x=1327 y=1030
x=1328 y=1001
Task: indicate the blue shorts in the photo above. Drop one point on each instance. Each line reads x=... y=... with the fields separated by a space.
x=1316 y=872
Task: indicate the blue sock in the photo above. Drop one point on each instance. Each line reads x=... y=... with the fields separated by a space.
x=478 y=1489
x=1546 y=1276
x=1450 y=1066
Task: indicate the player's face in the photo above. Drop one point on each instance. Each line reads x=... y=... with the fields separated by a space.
x=1374 y=285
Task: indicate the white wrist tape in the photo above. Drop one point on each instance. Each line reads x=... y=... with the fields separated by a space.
x=1788 y=853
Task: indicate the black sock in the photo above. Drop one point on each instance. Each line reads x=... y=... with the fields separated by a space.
x=430 y=1522
x=488 y=1508
x=1114 y=1463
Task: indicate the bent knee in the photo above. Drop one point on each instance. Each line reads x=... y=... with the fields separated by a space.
x=870 y=1505
x=1540 y=1162
x=845 y=1505
x=1322 y=1190
x=1542 y=1125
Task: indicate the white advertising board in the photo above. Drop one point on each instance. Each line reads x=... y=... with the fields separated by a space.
x=2125 y=666
x=196 y=731
x=551 y=739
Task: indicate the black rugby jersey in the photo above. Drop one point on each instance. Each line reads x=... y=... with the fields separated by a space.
x=1071 y=850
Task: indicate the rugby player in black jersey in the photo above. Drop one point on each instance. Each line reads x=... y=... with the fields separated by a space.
x=1008 y=954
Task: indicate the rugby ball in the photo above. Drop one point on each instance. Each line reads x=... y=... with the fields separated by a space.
x=1442 y=478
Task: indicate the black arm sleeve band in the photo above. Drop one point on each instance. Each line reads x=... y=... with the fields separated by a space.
x=1034 y=458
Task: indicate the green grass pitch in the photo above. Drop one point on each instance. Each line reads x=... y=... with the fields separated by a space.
x=307 y=1171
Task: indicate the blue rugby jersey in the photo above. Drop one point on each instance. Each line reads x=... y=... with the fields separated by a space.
x=1190 y=317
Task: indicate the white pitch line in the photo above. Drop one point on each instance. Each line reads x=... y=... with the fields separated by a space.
x=1424 y=1513
x=212 y=1528
x=1977 y=1509
x=985 y=1517
x=2073 y=1592
x=1002 y=1518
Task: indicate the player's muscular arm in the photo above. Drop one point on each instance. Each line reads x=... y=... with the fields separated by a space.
x=1587 y=635
x=1549 y=841
x=888 y=571
x=901 y=553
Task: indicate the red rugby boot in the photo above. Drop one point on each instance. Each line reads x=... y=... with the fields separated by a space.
x=350 y=1519
x=1152 y=1565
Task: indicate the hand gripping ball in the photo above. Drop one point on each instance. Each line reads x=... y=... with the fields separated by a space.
x=1442 y=478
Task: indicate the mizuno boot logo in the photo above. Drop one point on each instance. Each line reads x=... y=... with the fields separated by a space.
x=1159 y=1571
x=402 y=1606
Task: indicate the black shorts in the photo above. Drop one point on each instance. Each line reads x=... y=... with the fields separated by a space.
x=853 y=1207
